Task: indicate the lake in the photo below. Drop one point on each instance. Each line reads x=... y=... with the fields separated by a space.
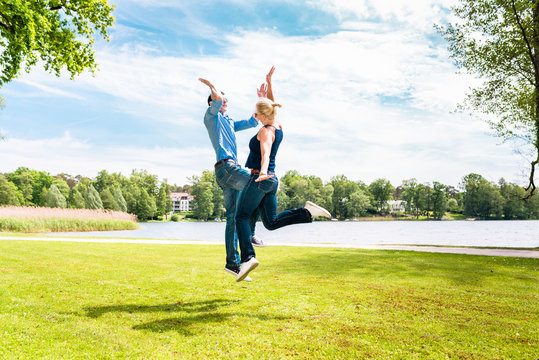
x=456 y=233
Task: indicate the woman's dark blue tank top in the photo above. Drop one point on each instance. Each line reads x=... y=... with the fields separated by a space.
x=254 y=160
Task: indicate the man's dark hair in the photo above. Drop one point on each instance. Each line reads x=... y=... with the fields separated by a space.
x=209 y=97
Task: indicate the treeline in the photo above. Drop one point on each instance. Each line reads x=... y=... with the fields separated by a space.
x=143 y=195
x=475 y=197
x=140 y=193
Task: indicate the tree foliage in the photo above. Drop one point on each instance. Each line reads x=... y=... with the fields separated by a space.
x=57 y=33
x=498 y=41
x=54 y=198
x=9 y=194
x=382 y=191
x=92 y=199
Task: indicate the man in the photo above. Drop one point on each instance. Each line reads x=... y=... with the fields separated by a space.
x=230 y=176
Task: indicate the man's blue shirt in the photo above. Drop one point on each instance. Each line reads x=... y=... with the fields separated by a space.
x=221 y=130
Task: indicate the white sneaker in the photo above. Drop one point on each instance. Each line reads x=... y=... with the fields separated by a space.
x=256 y=241
x=235 y=271
x=316 y=211
x=246 y=268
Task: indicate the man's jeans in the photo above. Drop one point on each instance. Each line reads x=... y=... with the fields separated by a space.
x=232 y=178
x=261 y=197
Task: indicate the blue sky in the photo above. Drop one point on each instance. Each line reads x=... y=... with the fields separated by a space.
x=367 y=88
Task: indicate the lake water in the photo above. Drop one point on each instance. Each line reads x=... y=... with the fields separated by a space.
x=457 y=233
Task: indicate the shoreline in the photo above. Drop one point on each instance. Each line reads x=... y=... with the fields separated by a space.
x=481 y=251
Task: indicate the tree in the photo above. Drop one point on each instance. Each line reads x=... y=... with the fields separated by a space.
x=513 y=207
x=76 y=200
x=2 y=104
x=498 y=41
x=41 y=180
x=9 y=195
x=481 y=198
x=62 y=186
x=118 y=196
x=358 y=203
x=382 y=191
x=54 y=198
x=164 y=203
x=142 y=179
x=217 y=193
x=92 y=199
x=146 y=208
x=439 y=200
x=23 y=178
x=55 y=32
x=109 y=201
x=453 y=205
x=342 y=189
x=203 y=205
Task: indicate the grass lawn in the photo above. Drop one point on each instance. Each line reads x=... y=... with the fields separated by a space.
x=101 y=301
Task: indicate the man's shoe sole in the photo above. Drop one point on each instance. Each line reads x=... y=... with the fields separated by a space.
x=247 y=278
x=326 y=214
x=252 y=266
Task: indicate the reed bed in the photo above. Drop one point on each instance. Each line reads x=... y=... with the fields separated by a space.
x=25 y=212
x=42 y=219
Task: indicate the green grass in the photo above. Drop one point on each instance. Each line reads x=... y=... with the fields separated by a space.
x=35 y=225
x=102 y=301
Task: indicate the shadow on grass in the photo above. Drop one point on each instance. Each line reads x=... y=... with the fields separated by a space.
x=197 y=312
x=401 y=265
x=183 y=324
x=195 y=306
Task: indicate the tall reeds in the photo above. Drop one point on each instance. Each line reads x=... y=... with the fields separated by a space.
x=41 y=219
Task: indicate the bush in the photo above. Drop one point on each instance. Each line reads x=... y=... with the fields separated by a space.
x=174 y=218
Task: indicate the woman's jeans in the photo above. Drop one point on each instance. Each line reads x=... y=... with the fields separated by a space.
x=232 y=178
x=261 y=197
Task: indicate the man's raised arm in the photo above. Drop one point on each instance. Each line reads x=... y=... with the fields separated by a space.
x=268 y=80
x=215 y=95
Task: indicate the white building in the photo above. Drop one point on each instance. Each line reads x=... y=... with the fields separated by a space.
x=181 y=201
x=396 y=205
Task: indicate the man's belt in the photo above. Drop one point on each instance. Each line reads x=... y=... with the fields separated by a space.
x=223 y=161
x=255 y=172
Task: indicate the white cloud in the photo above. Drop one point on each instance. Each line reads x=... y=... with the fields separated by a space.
x=66 y=154
x=371 y=101
x=419 y=14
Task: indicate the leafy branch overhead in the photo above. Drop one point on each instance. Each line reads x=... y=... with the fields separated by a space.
x=56 y=33
x=498 y=41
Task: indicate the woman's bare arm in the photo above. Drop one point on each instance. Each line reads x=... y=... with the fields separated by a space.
x=266 y=136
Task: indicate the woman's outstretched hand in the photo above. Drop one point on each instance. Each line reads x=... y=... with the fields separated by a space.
x=270 y=74
x=263 y=91
x=263 y=177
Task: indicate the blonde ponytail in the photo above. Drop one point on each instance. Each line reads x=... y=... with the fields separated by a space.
x=267 y=107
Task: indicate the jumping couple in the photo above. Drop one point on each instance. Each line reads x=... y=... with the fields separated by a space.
x=249 y=195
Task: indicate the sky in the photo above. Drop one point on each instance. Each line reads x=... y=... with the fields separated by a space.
x=368 y=91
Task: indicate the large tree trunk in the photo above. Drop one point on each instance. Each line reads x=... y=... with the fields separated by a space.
x=535 y=44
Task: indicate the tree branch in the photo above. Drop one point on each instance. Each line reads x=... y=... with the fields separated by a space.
x=531 y=185
x=58 y=7
x=530 y=51
x=5 y=24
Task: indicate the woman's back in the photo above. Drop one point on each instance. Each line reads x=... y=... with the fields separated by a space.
x=255 y=154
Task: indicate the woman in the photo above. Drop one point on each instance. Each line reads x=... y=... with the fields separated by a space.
x=261 y=190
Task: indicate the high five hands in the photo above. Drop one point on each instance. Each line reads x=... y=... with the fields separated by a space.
x=263 y=90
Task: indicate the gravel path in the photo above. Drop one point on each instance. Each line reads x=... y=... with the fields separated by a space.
x=434 y=249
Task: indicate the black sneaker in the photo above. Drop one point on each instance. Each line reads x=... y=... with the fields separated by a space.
x=235 y=271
